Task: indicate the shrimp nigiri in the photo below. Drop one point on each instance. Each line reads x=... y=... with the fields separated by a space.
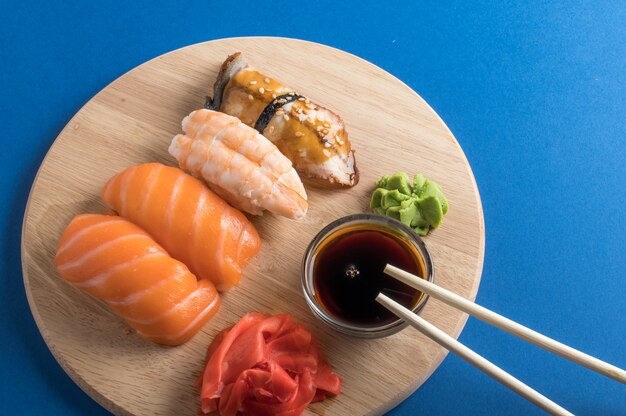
x=192 y=223
x=118 y=262
x=239 y=164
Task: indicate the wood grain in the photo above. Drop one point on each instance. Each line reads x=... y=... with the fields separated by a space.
x=133 y=120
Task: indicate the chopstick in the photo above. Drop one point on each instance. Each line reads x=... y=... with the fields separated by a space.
x=507 y=325
x=470 y=356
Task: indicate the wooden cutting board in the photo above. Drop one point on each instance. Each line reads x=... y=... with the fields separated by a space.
x=133 y=120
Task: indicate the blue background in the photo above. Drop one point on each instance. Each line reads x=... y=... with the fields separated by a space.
x=535 y=94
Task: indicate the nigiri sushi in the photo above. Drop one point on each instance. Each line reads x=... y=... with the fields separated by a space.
x=314 y=138
x=191 y=222
x=239 y=164
x=118 y=262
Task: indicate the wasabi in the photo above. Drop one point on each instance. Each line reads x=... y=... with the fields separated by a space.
x=421 y=206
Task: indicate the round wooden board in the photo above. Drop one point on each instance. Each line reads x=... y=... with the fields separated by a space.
x=133 y=120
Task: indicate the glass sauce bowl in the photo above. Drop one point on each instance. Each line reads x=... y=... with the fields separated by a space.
x=342 y=272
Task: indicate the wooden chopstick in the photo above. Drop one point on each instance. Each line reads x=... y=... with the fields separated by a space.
x=507 y=325
x=470 y=356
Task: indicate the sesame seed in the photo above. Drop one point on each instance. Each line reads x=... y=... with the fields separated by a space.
x=267 y=80
x=299 y=134
x=262 y=90
x=268 y=89
x=326 y=124
x=327 y=153
x=326 y=144
x=319 y=128
x=250 y=97
x=274 y=96
x=280 y=112
x=301 y=99
x=292 y=93
x=325 y=131
x=286 y=117
x=252 y=82
x=271 y=129
x=309 y=105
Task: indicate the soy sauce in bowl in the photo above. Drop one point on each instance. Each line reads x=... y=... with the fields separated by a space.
x=343 y=273
x=349 y=275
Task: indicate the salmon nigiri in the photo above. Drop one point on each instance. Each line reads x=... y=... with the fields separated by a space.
x=239 y=164
x=118 y=262
x=192 y=223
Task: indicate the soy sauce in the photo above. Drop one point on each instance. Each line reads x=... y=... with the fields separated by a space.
x=348 y=275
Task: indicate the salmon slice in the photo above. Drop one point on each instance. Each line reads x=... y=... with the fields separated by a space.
x=118 y=262
x=191 y=222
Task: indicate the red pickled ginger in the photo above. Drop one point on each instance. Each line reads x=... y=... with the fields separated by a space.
x=265 y=365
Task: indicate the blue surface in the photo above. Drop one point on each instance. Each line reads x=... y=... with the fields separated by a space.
x=535 y=94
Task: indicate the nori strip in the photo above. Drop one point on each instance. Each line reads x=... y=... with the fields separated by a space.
x=269 y=111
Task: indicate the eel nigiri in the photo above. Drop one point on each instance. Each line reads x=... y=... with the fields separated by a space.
x=118 y=262
x=239 y=164
x=191 y=222
x=313 y=137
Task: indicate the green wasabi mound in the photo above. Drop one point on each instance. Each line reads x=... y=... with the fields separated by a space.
x=420 y=206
